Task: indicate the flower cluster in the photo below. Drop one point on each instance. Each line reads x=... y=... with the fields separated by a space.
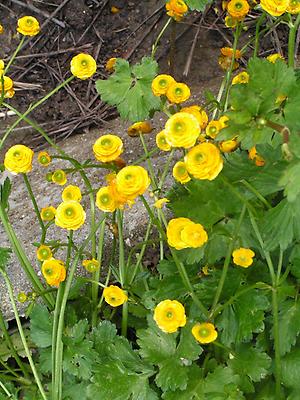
x=176 y=9
x=228 y=55
x=169 y=315
x=183 y=233
x=165 y=85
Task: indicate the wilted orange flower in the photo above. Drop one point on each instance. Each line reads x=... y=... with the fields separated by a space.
x=139 y=127
x=110 y=64
x=225 y=58
x=259 y=161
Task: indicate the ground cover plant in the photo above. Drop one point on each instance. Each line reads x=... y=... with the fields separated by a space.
x=218 y=316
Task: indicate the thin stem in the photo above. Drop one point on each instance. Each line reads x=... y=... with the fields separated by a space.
x=279 y=267
x=257 y=194
x=274 y=308
x=34 y=203
x=25 y=263
x=292 y=39
x=227 y=261
x=229 y=72
x=5 y=390
x=155 y=45
x=22 y=335
x=219 y=96
x=57 y=393
x=96 y=275
x=150 y=167
x=11 y=346
x=181 y=269
x=14 y=54
x=31 y=108
x=257 y=33
x=124 y=319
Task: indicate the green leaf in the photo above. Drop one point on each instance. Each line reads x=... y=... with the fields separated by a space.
x=246 y=317
x=129 y=89
x=291 y=181
x=5 y=254
x=280 y=225
x=41 y=326
x=5 y=190
x=171 y=375
x=74 y=391
x=289 y=327
x=290 y=368
x=5 y=352
x=78 y=359
x=198 y=5
x=248 y=360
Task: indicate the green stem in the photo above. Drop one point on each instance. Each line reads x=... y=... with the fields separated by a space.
x=57 y=393
x=155 y=45
x=34 y=203
x=14 y=54
x=229 y=72
x=96 y=275
x=31 y=108
x=219 y=96
x=257 y=33
x=5 y=390
x=279 y=267
x=274 y=307
x=150 y=167
x=11 y=346
x=257 y=194
x=166 y=169
x=22 y=335
x=292 y=39
x=181 y=269
x=25 y=263
x=124 y=319
x=227 y=261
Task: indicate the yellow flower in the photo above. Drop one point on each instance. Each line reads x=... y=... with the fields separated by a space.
x=161 y=202
x=22 y=297
x=114 y=10
x=275 y=7
x=110 y=64
x=1 y=29
x=213 y=128
x=182 y=130
x=183 y=233
x=231 y=22
x=169 y=315
x=91 y=265
x=48 y=213
x=238 y=8
x=44 y=158
x=105 y=200
x=242 y=77
x=18 y=159
x=274 y=57
x=70 y=215
x=194 y=235
x=228 y=145
x=107 y=148
x=132 y=181
x=54 y=272
x=293 y=7
x=176 y=9
x=83 y=66
x=71 y=192
x=1 y=64
x=226 y=56
x=228 y=52
x=243 y=257
x=259 y=161
x=28 y=26
x=43 y=253
x=197 y=112
x=180 y=172
x=178 y=93
x=161 y=84
x=204 y=161
x=8 y=86
x=223 y=121
x=204 y=333
x=59 y=177
x=139 y=127
x=161 y=141
x=114 y=296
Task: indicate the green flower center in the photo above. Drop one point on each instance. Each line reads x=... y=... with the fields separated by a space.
x=179 y=126
x=29 y=22
x=48 y=214
x=212 y=129
x=178 y=91
x=238 y=6
x=181 y=170
x=16 y=154
x=163 y=83
x=163 y=140
x=105 y=199
x=69 y=212
x=199 y=157
x=106 y=142
x=128 y=177
x=48 y=271
x=44 y=253
x=58 y=176
x=43 y=160
x=203 y=332
x=84 y=63
x=169 y=314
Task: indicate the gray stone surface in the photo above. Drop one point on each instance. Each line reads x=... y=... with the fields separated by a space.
x=24 y=220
